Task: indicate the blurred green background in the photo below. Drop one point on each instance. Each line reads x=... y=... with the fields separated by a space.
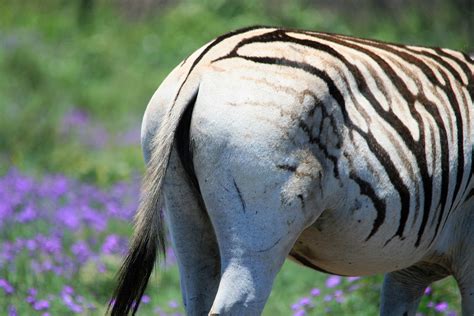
x=63 y=62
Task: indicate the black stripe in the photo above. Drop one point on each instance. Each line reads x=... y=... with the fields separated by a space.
x=204 y=52
x=315 y=141
x=308 y=263
x=460 y=161
x=242 y=201
x=379 y=204
x=461 y=63
x=439 y=60
x=393 y=174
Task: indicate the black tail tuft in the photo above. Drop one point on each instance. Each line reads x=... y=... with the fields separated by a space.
x=133 y=277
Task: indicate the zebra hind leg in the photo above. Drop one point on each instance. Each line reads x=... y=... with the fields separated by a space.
x=193 y=239
x=402 y=290
x=254 y=237
x=463 y=266
x=466 y=286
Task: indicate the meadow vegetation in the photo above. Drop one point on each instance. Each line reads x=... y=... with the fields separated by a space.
x=73 y=87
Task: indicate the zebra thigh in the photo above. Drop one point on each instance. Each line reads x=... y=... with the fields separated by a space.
x=193 y=240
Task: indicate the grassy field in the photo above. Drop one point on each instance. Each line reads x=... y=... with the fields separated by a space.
x=73 y=88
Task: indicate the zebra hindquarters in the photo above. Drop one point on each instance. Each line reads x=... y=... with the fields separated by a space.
x=257 y=206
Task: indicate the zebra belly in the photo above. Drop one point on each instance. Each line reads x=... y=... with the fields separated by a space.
x=337 y=245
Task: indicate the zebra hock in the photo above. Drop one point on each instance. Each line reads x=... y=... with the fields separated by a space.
x=350 y=156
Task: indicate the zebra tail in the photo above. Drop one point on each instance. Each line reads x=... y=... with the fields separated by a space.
x=148 y=240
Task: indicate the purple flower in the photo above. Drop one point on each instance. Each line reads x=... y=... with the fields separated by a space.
x=75 y=117
x=31 y=298
x=12 y=310
x=68 y=290
x=69 y=301
x=41 y=305
x=6 y=210
x=81 y=251
x=51 y=245
x=305 y=301
x=146 y=299
x=53 y=187
x=76 y=308
x=333 y=281
x=66 y=216
x=111 y=244
x=101 y=267
x=339 y=295
x=32 y=291
x=173 y=304
x=129 y=137
x=315 y=292
x=94 y=218
x=354 y=287
x=352 y=279
x=441 y=307
x=31 y=245
x=428 y=291
x=6 y=286
x=28 y=214
x=300 y=312
x=295 y=306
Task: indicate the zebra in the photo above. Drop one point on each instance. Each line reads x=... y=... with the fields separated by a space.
x=349 y=156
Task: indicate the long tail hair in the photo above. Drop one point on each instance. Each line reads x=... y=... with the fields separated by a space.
x=148 y=240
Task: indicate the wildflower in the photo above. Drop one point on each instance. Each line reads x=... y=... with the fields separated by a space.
x=32 y=291
x=6 y=286
x=352 y=279
x=333 y=281
x=146 y=299
x=441 y=307
x=173 y=304
x=295 y=306
x=300 y=312
x=28 y=214
x=68 y=290
x=354 y=287
x=41 y=305
x=111 y=244
x=328 y=298
x=339 y=296
x=12 y=311
x=315 y=292
x=81 y=251
x=305 y=301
